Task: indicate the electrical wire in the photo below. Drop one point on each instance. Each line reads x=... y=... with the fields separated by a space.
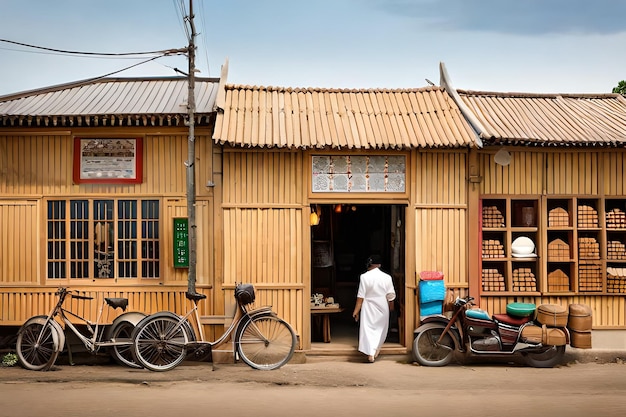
x=124 y=55
x=205 y=41
x=124 y=69
x=79 y=56
x=104 y=54
x=184 y=17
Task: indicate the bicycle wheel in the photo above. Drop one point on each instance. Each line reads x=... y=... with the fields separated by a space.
x=38 y=345
x=266 y=342
x=160 y=342
x=123 y=354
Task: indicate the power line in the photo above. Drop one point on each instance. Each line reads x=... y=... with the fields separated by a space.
x=182 y=13
x=123 y=69
x=103 y=54
x=130 y=57
x=205 y=41
x=129 y=67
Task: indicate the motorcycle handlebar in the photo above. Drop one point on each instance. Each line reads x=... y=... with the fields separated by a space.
x=462 y=301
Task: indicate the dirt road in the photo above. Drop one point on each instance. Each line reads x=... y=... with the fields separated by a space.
x=389 y=387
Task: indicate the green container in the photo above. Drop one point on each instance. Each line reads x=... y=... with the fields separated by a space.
x=521 y=309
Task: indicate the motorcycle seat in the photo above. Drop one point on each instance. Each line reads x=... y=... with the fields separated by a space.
x=508 y=319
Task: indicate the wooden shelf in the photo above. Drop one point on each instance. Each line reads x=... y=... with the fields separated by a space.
x=511 y=293
x=576 y=239
x=508 y=218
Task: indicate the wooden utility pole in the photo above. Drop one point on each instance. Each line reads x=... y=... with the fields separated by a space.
x=191 y=156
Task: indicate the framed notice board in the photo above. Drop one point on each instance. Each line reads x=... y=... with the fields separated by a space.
x=181 y=242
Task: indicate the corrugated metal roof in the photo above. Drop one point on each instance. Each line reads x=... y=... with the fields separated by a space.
x=112 y=98
x=548 y=119
x=303 y=118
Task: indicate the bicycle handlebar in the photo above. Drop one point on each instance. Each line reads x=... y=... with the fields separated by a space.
x=81 y=297
x=62 y=292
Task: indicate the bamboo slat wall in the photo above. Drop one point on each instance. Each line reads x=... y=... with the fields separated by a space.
x=524 y=175
x=439 y=197
x=266 y=230
x=554 y=172
x=613 y=167
x=19 y=303
x=41 y=164
x=19 y=237
x=440 y=204
x=439 y=178
x=441 y=244
x=35 y=165
x=575 y=173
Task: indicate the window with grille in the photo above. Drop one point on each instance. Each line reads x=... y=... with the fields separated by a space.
x=358 y=173
x=107 y=238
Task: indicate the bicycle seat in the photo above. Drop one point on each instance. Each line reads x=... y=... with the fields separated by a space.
x=117 y=302
x=195 y=296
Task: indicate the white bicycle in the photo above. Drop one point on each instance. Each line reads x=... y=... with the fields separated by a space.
x=41 y=338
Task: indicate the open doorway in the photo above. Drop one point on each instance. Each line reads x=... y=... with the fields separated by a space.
x=346 y=235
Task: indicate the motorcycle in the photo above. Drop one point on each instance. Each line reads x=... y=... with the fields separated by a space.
x=473 y=332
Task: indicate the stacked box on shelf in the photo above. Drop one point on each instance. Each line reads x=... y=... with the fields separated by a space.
x=493 y=280
x=524 y=280
x=616 y=280
x=588 y=248
x=558 y=281
x=492 y=217
x=590 y=278
x=558 y=217
x=558 y=251
x=616 y=250
x=587 y=217
x=615 y=219
x=492 y=248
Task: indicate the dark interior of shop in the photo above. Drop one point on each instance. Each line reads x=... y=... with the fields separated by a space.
x=343 y=238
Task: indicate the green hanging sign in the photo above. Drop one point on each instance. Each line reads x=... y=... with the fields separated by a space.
x=181 y=242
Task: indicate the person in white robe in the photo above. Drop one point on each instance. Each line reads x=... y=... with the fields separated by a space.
x=374 y=301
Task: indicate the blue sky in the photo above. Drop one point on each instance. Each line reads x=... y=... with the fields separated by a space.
x=540 y=46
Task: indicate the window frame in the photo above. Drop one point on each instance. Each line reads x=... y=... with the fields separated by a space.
x=65 y=237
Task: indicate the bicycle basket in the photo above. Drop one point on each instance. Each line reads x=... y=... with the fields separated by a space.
x=244 y=293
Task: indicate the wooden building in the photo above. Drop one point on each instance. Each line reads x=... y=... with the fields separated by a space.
x=92 y=180
x=297 y=186
x=384 y=171
x=276 y=157
x=552 y=169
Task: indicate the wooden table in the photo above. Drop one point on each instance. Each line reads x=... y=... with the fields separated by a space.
x=321 y=316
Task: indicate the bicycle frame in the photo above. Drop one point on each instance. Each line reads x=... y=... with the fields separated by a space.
x=240 y=316
x=93 y=344
x=260 y=338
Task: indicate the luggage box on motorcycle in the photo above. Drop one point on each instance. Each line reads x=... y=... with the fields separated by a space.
x=532 y=334
x=520 y=309
x=580 y=340
x=553 y=336
x=579 y=318
x=552 y=315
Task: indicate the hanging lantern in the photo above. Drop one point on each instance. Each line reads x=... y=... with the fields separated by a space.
x=314 y=218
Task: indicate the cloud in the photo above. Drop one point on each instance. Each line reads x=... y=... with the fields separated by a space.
x=518 y=17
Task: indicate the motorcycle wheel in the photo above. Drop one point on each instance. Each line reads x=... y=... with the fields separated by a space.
x=427 y=351
x=552 y=356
